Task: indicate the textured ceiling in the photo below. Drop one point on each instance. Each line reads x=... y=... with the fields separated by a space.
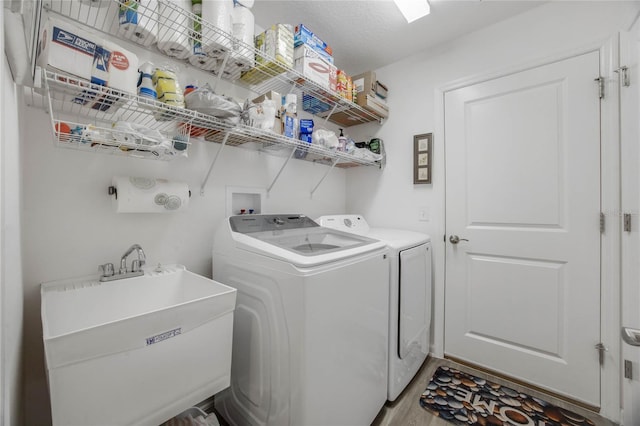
x=368 y=34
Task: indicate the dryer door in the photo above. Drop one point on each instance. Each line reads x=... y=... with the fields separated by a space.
x=415 y=299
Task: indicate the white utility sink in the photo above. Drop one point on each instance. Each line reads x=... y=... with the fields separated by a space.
x=136 y=350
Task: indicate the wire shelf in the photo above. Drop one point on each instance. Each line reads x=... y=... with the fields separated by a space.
x=96 y=118
x=228 y=57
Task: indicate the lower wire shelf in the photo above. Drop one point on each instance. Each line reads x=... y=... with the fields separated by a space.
x=91 y=117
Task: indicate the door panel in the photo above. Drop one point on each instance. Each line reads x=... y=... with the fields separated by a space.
x=630 y=179
x=523 y=186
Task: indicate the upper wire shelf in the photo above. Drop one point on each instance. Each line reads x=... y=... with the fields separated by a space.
x=228 y=57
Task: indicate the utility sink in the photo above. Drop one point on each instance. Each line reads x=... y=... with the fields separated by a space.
x=136 y=350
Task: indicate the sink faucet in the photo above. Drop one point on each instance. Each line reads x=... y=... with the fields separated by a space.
x=135 y=265
x=109 y=274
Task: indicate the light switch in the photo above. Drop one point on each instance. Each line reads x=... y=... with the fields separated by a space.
x=424 y=214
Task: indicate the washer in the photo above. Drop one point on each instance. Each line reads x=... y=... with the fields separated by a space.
x=310 y=326
x=409 y=296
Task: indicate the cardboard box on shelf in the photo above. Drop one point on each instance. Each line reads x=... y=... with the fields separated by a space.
x=373 y=103
x=122 y=68
x=276 y=46
x=313 y=67
x=70 y=50
x=367 y=83
x=270 y=95
x=67 y=49
x=303 y=35
x=276 y=42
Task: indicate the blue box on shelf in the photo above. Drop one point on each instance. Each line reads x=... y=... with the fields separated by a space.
x=303 y=35
x=314 y=105
x=306 y=126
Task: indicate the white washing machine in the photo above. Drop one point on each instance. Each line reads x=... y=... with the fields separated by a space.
x=310 y=326
x=409 y=295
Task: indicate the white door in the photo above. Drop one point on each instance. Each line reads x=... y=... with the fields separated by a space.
x=523 y=187
x=630 y=184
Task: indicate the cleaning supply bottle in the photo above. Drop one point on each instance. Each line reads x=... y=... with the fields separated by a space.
x=342 y=141
x=146 y=88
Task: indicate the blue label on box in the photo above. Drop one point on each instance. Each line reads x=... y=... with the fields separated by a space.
x=306 y=126
x=306 y=137
x=100 y=71
x=72 y=41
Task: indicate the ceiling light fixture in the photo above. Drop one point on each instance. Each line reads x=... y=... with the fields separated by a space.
x=413 y=9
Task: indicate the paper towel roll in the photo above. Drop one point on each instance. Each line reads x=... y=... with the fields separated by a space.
x=216 y=15
x=148 y=195
x=203 y=62
x=243 y=55
x=174 y=25
x=138 y=21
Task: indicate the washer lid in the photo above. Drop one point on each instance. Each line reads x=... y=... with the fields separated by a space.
x=297 y=239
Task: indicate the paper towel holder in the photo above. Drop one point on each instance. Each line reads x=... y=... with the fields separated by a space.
x=114 y=191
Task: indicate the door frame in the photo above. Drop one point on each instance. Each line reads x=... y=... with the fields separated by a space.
x=610 y=380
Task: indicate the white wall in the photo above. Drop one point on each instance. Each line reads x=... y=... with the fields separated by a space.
x=70 y=227
x=390 y=198
x=11 y=293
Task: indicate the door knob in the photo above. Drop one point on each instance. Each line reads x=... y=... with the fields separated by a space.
x=454 y=239
x=631 y=336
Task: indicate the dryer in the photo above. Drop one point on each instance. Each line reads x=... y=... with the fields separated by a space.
x=310 y=326
x=409 y=295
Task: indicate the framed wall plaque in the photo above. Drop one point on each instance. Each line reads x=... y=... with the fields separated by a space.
x=422 y=146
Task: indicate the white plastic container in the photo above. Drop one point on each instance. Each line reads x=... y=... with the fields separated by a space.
x=136 y=350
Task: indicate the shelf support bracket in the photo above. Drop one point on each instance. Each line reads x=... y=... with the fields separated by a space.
x=335 y=161
x=213 y=163
x=280 y=171
x=221 y=70
x=331 y=113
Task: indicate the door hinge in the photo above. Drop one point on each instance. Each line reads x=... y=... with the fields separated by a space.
x=600 y=81
x=627 y=222
x=601 y=348
x=623 y=71
x=628 y=369
x=601 y=223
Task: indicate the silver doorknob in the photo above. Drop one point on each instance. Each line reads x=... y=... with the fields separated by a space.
x=454 y=239
x=631 y=336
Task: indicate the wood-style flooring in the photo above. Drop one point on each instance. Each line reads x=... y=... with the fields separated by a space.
x=406 y=410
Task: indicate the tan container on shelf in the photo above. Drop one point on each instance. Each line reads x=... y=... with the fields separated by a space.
x=373 y=103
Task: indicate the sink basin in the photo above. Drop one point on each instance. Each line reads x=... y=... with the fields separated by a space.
x=135 y=350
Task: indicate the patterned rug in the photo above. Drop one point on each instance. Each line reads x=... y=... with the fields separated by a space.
x=463 y=399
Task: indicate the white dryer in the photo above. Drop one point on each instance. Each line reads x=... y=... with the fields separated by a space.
x=310 y=325
x=409 y=295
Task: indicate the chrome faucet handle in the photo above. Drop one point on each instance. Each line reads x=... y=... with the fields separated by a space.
x=135 y=265
x=107 y=269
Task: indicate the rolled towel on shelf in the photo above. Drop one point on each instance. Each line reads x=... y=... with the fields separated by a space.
x=138 y=21
x=174 y=27
x=216 y=15
x=243 y=54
